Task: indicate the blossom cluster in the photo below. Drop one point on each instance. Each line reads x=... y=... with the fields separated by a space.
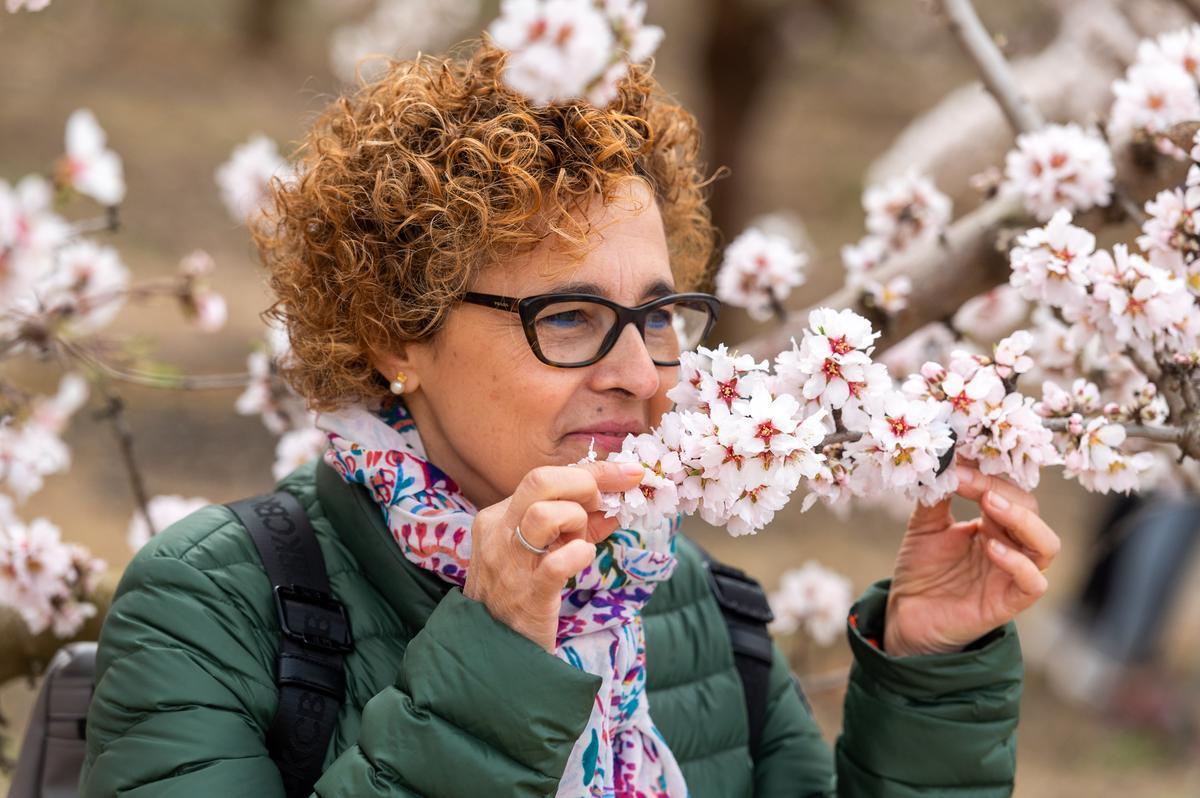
x=901 y=213
x=59 y=291
x=744 y=434
x=758 y=272
x=245 y=178
x=1159 y=89
x=568 y=50
x=812 y=598
x=46 y=580
x=1092 y=446
x=996 y=425
x=1118 y=298
x=1060 y=166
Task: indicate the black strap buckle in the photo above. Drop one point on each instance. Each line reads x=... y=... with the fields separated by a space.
x=313 y=618
x=737 y=592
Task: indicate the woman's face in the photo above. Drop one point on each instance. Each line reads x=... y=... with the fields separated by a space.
x=488 y=410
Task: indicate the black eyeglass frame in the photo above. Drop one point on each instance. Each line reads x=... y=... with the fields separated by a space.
x=528 y=308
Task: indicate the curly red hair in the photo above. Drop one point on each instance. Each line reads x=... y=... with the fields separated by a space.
x=411 y=183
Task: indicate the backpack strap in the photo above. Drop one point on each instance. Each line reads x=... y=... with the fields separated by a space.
x=315 y=633
x=747 y=612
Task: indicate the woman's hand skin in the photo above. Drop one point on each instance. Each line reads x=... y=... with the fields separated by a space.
x=955 y=582
x=557 y=507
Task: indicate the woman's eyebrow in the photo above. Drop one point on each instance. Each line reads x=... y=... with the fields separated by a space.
x=653 y=291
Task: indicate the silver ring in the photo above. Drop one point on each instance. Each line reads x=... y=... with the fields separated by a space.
x=527 y=544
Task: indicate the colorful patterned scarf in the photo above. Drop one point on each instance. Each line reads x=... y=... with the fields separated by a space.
x=620 y=754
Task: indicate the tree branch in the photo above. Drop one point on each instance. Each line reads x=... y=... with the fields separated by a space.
x=114 y=411
x=975 y=41
x=1157 y=434
x=962 y=264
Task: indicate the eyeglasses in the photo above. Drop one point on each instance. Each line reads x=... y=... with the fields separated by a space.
x=576 y=330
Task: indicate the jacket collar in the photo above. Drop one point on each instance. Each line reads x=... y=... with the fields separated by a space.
x=359 y=525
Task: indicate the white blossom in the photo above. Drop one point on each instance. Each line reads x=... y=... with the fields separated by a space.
x=1096 y=461
x=295 y=448
x=245 y=178
x=91 y=167
x=1050 y=263
x=46 y=580
x=14 y=6
x=1152 y=97
x=1060 y=166
x=906 y=211
x=759 y=270
x=813 y=598
x=566 y=50
x=164 y=510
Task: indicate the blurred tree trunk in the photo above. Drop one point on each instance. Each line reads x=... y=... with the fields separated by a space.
x=261 y=23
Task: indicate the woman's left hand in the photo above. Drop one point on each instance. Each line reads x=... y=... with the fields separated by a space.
x=956 y=581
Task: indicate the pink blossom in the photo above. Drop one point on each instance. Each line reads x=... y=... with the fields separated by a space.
x=1060 y=166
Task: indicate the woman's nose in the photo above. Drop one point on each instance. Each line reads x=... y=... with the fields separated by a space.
x=628 y=366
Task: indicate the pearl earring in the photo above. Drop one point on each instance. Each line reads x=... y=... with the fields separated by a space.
x=397 y=385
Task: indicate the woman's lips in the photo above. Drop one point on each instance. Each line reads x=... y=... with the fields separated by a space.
x=607 y=441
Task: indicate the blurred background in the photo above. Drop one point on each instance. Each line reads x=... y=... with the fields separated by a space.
x=800 y=98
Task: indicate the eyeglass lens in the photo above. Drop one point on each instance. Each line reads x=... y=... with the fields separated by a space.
x=573 y=331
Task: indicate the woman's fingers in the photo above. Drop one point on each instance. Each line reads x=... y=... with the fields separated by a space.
x=1024 y=526
x=973 y=483
x=555 y=568
x=545 y=522
x=582 y=483
x=1028 y=583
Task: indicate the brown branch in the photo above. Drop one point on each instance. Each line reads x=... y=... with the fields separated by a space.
x=994 y=70
x=1156 y=434
x=1192 y=7
x=962 y=264
x=114 y=411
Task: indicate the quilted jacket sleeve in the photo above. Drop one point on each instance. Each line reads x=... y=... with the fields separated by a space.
x=185 y=694
x=912 y=726
x=476 y=710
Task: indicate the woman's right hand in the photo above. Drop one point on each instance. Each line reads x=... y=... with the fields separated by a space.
x=557 y=507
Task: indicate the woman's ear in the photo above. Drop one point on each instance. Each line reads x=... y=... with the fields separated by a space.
x=395 y=364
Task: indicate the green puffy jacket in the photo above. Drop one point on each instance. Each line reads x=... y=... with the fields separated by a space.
x=445 y=702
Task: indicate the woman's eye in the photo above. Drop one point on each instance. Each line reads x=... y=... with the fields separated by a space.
x=659 y=319
x=565 y=319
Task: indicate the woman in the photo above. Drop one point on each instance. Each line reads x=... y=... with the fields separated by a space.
x=508 y=639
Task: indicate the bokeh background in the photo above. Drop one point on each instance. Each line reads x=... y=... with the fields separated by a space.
x=798 y=97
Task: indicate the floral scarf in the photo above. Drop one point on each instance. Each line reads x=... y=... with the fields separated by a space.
x=620 y=754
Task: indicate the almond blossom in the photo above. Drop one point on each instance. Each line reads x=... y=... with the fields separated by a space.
x=90 y=167
x=1060 y=166
x=567 y=50
x=830 y=365
x=86 y=286
x=1050 y=263
x=890 y=297
x=296 y=447
x=812 y=598
x=31 y=447
x=1153 y=96
x=164 y=510
x=1096 y=461
x=1134 y=303
x=758 y=272
x=46 y=580
x=244 y=179
x=14 y=6
x=906 y=211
